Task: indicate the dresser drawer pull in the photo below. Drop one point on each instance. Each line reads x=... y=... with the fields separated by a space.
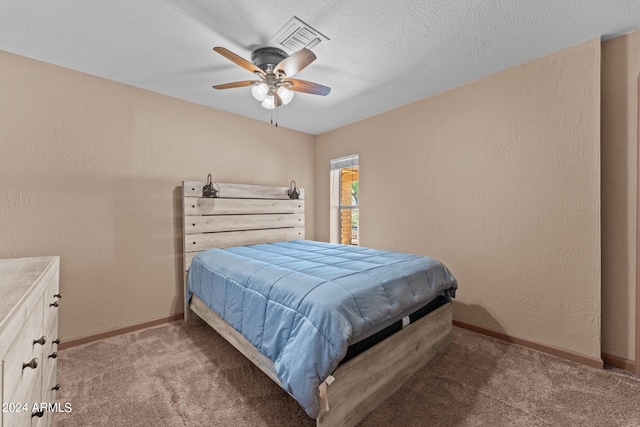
x=53 y=355
x=33 y=364
x=58 y=295
x=54 y=304
x=56 y=341
x=56 y=387
x=38 y=414
x=40 y=341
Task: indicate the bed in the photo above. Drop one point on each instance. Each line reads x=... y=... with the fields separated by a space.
x=262 y=233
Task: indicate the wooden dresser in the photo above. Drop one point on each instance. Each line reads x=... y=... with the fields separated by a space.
x=29 y=295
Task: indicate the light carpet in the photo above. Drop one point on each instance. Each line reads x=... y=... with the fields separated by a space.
x=180 y=374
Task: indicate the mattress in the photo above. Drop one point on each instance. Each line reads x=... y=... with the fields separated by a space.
x=302 y=303
x=375 y=337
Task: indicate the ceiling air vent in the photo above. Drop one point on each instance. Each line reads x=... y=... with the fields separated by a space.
x=297 y=34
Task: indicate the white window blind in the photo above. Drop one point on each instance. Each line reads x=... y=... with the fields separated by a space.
x=344 y=162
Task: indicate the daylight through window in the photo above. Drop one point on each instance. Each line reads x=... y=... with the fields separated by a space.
x=345 y=188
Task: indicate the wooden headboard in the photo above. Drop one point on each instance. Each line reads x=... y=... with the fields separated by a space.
x=241 y=215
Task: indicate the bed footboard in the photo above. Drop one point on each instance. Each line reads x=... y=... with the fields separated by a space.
x=361 y=384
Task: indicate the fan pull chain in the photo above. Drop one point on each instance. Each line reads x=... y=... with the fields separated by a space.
x=276 y=109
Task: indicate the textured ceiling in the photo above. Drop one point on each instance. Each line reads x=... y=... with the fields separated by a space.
x=381 y=54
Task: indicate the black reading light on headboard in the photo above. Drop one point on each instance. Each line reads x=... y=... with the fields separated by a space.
x=294 y=192
x=208 y=190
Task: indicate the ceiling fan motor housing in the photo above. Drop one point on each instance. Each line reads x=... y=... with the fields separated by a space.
x=266 y=58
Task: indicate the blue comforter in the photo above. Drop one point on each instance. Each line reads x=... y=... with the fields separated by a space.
x=300 y=302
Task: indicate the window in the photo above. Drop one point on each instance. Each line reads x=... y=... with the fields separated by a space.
x=345 y=188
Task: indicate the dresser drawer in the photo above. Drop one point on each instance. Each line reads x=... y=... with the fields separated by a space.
x=50 y=354
x=17 y=377
x=50 y=396
x=21 y=414
x=50 y=387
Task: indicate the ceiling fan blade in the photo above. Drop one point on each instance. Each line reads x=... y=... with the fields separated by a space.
x=295 y=63
x=236 y=84
x=239 y=60
x=307 y=87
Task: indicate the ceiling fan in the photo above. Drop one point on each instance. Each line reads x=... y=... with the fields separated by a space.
x=274 y=68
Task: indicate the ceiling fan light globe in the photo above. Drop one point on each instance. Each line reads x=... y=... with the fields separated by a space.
x=285 y=94
x=259 y=92
x=269 y=102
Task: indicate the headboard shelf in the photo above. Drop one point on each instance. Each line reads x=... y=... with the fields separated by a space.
x=239 y=191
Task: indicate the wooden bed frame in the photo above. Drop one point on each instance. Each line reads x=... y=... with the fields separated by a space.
x=252 y=214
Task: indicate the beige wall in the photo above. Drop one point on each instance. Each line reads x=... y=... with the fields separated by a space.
x=620 y=70
x=89 y=170
x=500 y=179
